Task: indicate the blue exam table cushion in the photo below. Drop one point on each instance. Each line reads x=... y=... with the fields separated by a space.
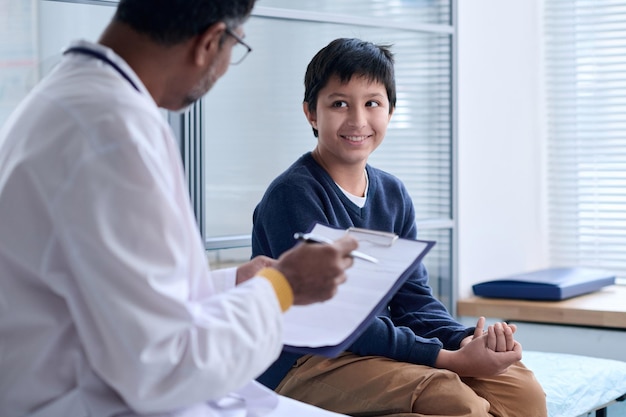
x=546 y=284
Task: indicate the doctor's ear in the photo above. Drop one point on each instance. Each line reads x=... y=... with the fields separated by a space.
x=207 y=44
x=311 y=116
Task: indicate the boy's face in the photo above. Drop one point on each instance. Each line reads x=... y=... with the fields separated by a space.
x=351 y=119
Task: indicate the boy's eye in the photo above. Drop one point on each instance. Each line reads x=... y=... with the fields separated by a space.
x=372 y=104
x=340 y=104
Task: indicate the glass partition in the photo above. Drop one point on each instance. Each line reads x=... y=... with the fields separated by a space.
x=251 y=124
x=254 y=127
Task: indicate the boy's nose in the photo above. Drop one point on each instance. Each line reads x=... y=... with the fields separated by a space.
x=357 y=117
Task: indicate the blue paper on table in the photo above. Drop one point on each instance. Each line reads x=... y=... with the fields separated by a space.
x=546 y=284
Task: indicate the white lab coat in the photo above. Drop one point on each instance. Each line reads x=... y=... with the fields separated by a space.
x=107 y=304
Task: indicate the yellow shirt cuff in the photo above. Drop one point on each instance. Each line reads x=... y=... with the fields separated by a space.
x=283 y=290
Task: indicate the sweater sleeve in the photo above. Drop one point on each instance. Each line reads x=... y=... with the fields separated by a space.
x=414 y=328
x=383 y=338
x=286 y=208
x=416 y=325
x=415 y=307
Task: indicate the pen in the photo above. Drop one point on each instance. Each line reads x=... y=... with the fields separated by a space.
x=312 y=238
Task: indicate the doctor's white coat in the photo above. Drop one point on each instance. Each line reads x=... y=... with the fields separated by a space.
x=107 y=304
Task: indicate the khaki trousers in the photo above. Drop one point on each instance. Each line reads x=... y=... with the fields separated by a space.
x=376 y=386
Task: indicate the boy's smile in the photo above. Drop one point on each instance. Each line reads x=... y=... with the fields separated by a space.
x=351 y=119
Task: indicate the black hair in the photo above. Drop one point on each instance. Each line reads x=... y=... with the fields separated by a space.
x=345 y=58
x=169 y=22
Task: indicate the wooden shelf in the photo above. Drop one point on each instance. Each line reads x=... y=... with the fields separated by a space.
x=604 y=308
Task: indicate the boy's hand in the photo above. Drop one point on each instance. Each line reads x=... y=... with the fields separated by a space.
x=499 y=335
x=476 y=359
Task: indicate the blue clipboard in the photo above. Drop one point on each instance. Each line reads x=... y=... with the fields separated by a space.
x=329 y=328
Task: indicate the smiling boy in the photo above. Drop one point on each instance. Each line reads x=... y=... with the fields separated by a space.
x=351 y=121
x=414 y=359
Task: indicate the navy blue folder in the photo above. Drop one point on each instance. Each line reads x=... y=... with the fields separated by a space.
x=546 y=284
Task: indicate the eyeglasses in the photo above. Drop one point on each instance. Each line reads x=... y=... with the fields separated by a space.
x=240 y=50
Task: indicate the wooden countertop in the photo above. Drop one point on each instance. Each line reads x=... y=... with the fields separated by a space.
x=603 y=308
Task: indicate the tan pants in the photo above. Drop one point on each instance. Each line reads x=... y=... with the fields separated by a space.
x=375 y=386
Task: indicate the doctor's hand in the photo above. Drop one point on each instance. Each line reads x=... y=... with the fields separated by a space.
x=315 y=270
x=250 y=268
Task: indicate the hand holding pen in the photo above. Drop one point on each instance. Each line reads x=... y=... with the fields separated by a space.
x=313 y=238
x=315 y=271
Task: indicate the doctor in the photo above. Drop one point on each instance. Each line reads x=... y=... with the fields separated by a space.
x=107 y=305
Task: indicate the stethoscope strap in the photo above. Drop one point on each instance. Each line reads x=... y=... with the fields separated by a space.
x=99 y=55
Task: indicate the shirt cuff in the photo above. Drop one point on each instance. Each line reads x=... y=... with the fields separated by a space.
x=283 y=290
x=224 y=279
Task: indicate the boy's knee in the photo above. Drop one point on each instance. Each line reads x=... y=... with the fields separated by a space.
x=535 y=399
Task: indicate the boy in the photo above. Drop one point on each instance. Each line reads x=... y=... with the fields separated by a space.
x=414 y=358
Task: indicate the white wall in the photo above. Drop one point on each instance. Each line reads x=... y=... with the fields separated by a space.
x=500 y=140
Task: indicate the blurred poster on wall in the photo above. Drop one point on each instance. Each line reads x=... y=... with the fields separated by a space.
x=18 y=52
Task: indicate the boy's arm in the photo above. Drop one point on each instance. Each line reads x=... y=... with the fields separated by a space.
x=414 y=306
x=283 y=211
x=417 y=328
x=413 y=310
x=295 y=207
x=383 y=338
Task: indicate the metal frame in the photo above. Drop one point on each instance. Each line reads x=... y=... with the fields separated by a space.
x=454 y=256
x=188 y=128
x=321 y=17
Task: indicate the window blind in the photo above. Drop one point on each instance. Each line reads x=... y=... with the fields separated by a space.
x=255 y=111
x=586 y=103
x=255 y=127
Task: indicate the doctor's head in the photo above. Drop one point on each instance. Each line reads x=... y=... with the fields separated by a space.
x=173 y=21
x=193 y=43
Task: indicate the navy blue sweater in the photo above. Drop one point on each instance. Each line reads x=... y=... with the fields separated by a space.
x=415 y=325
